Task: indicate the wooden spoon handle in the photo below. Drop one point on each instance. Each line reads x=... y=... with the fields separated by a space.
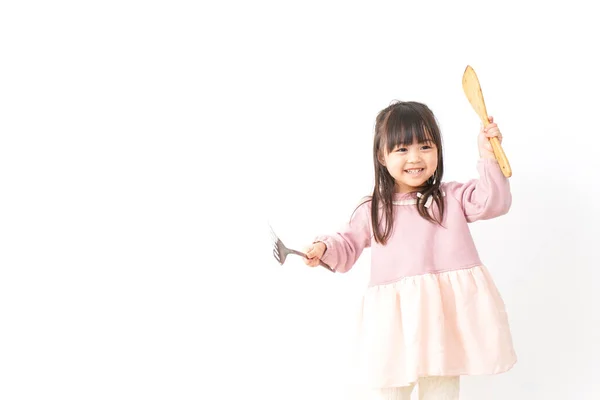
x=501 y=157
x=496 y=147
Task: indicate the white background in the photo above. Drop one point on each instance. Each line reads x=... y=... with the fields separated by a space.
x=145 y=145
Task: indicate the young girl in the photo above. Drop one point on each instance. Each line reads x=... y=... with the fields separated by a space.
x=431 y=312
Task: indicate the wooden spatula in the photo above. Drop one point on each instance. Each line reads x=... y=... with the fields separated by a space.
x=473 y=92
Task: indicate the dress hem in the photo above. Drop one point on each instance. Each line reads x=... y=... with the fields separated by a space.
x=460 y=373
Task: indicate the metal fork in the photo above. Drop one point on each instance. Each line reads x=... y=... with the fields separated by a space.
x=280 y=251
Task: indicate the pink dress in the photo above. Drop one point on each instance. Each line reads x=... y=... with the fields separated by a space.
x=431 y=308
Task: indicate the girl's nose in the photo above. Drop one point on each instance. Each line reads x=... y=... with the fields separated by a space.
x=413 y=155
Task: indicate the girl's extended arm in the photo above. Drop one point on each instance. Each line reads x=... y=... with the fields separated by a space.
x=344 y=247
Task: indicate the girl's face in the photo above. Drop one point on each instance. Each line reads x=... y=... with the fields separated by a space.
x=411 y=165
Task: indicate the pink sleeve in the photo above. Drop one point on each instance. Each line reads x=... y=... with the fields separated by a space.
x=344 y=247
x=484 y=198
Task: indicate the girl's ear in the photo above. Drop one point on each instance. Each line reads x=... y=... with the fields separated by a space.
x=381 y=158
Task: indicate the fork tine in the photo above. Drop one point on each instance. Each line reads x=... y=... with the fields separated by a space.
x=276 y=255
x=273 y=235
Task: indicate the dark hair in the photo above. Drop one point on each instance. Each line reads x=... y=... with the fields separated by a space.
x=400 y=124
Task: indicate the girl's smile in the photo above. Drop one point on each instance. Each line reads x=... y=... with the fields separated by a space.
x=414 y=171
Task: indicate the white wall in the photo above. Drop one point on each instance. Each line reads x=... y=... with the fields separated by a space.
x=145 y=146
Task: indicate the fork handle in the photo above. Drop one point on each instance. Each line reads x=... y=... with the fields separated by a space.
x=321 y=263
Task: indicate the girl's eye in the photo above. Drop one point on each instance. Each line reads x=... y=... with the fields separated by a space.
x=426 y=147
x=401 y=149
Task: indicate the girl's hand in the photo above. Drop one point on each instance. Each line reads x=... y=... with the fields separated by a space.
x=488 y=131
x=314 y=252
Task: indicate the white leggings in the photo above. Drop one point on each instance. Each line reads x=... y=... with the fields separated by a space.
x=430 y=388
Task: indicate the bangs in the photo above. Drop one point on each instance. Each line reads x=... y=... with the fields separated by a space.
x=403 y=127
